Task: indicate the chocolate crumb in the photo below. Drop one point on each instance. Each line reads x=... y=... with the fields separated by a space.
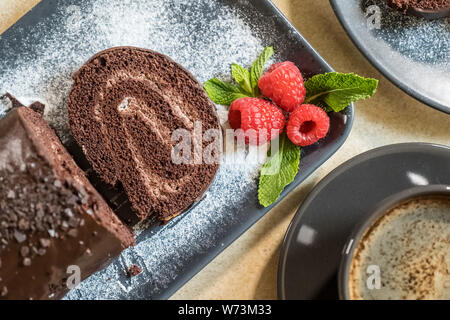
x=72 y=233
x=45 y=243
x=24 y=251
x=19 y=236
x=38 y=107
x=23 y=224
x=26 y=262
x=68 y=213
x=64 y=226
x=133 y=271
x=52 y=233
x=57 y=184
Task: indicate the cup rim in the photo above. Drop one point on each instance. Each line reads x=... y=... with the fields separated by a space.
x=380 y=209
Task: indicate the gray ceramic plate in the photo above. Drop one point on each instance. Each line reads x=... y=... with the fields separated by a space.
x=41 y=51
x=313 y=244
x=411 y=52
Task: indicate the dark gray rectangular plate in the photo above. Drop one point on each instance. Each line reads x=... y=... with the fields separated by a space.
x=173 y=254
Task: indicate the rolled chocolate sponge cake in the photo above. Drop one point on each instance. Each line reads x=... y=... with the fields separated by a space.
x=53 y=223
x=124 y=107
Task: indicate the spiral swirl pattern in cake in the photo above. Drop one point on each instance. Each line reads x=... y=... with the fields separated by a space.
x=123 y=108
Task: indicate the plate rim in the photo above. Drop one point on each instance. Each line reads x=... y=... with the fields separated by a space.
x=383 y=70
x=370 y=154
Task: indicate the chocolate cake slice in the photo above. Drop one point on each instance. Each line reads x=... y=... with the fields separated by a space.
x=53 y=223
x=126 y=103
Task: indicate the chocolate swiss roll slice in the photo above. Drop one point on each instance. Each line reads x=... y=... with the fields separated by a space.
x=127 y=110
x=55 y=229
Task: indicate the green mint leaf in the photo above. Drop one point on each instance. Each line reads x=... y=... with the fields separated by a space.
x=338 y=90
x=221 y=92
x=242 y=77
x=258 y=68
x=279 y=171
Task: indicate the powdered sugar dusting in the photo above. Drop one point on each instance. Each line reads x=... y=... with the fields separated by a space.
x=204 y=36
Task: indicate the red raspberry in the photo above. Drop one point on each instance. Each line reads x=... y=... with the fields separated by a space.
x=307 y=124
x=283 y=83
x=257 y=118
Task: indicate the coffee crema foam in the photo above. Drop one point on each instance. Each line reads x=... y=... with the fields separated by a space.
x=411 y=246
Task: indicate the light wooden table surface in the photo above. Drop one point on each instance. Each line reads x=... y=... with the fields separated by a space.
x=248 y=268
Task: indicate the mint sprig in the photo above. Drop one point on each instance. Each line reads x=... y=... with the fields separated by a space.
x=247 y=81
x=338 y=90
x=242 y=77
x=223 y=93
x=279 y=171
x=332 y=91
x=258 y=68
